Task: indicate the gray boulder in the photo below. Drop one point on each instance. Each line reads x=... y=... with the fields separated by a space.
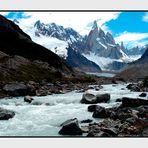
x=88 y=98
x=28 y=99
x=16 y=89
x=143 y=95
x=133 y=102
x=92 y=108
x=6 y=114
x=102 y=98
x=70 y=127
x=101 y=112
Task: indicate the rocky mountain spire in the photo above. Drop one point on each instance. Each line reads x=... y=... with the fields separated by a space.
x=109 y=38
x=101 y=33
x=95 y=26
x=122 y=46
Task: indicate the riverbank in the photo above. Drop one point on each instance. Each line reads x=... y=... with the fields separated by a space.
x=43 y=88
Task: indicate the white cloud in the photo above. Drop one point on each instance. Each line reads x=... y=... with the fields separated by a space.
x=132 y=39
x=145 y=17
x=77 y=20
x=4 y=13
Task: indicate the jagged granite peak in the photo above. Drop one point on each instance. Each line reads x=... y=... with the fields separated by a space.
x=57 y=31
x=110 y=39
x=37 y=24
x=95 y=25
x=101 y=33
x=16 y=21
x=122 y=45
x=102 y=45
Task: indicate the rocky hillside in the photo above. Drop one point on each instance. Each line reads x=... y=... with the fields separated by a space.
x=137 y=69
x=20 y=57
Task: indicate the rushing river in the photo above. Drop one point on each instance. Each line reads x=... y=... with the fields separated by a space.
x=45 y=114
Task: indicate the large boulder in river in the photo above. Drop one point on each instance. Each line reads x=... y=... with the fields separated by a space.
x=143 y=95
x=102 y=98
x=16 y=89
x=28 y=99
x=131 y=102
x=70 y=127
x=92 y=108
x=6 y=114
x=88 y=98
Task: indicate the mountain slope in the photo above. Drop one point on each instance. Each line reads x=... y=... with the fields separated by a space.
x=13 y=41
x=79 y=62
x=137 y=69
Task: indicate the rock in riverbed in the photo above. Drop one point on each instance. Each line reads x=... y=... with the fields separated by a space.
x=92 y=108
x=100 y=112
x=28 y=99
x=130 y=102
x=6 y=114
x=88 y=98
x=71 y=127
x=143 y=95
x=102 y=98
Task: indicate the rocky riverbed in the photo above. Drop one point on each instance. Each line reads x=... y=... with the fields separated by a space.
x=44 y=115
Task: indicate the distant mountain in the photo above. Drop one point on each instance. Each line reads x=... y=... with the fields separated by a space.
x=69 y=35
x=137 y=69
x=18 y=46
x=103 y=47
x=135 y=51
x=65 y=42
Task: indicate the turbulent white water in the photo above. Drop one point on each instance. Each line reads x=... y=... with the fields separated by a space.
x=45 y=118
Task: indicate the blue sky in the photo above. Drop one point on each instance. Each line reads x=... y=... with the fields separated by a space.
x=129 y=27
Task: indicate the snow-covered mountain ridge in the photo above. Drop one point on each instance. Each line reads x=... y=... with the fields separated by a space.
x=98 y=46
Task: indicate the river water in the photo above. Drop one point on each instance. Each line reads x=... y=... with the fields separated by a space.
x=45 y=114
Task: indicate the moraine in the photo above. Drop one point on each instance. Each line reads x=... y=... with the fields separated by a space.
x=45 y=114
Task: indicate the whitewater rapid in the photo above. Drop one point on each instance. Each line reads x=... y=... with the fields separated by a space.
x=45 y=114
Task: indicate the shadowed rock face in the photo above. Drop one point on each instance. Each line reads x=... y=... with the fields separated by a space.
x=79 y=62
x=13 y=41
x=102 y=44
x=137 y=69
